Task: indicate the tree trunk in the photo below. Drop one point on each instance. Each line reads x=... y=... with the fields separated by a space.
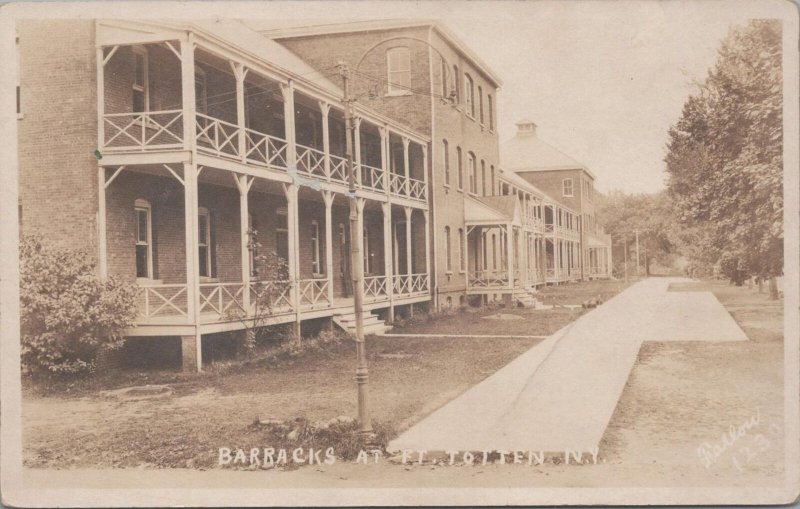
x=773 y=288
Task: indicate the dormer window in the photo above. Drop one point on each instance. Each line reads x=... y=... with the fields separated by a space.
x=398 y=63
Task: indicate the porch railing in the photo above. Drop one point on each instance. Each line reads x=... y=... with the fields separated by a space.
x=263 y=149
x=313 y=293
x=216 y=136
x=274 y=296
x=162 y=300
x=376 y=287
x=410 y=284
x=142 y=131
x=419 y=283
x=372 y=177
x=397 y=183
x=311 y=161
x=339 y=169
x=222 y=298
x=489 y=279
x=417 y=189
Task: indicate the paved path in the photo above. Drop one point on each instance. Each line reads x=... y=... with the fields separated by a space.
x=561 y=393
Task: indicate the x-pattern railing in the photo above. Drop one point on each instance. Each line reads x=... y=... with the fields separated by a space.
x=219 y=298
x=402 y=285
x=419 y=283
x=417 y=189
x=314 y=292
x=372 y=177
x=375 y=287
x=264 y=149
x=143 y=130
x=397 y=183
x=278 y=292
x=489 y=278
x=163 y=300
x=338 y=168
x=311 y=161
x=217 y=136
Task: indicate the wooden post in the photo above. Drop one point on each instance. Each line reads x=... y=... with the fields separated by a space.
x=287 y=90
x=290 y=190
x=239 y=72
x=385 y=159
x=425 y=215
x=325 y=109
x=243 y=183
x=388 y=255
x=510 y=256
x=327 y=197
x=408 y=212
x=357 y=147
x=406 y=172
x=192 y=255
x=102 y=253
x=101 y=98
x=188 y=91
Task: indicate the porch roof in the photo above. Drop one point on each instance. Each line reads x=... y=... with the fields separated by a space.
x=486 y=210
x=595 y=241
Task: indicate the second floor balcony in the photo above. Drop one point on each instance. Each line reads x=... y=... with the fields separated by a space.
x=157 y=98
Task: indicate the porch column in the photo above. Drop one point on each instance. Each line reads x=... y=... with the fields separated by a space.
x=357 y=148
x=327 y=197
x=188 y=91
x=406 y=141
x=388 y=255
x=524 y=261
x=239 y=72
x=243 y=183
x=102 y=253
x=510 y=255
x=425 y=215
x=385 y=158
x=101 y=96
x=408 y=212
x=192 y=264
x=325 y=109
x=287 y=90
x=290 y=190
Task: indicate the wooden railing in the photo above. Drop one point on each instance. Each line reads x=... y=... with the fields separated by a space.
x=217 y=137
x=339 y=171
x=311 y=161
x=142 y=131
x=263 y=149
x=376 y=287
x=419 y=283
x=162 y=300
x=222 y=298
x=489 y=279
x=417 y=189
x=313 y=293
x=397 y=183
x=274 y=295
x=372 y=178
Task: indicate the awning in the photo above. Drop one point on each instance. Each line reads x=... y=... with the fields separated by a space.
x=492 y=210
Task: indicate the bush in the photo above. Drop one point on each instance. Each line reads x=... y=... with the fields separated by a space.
x=68 y=314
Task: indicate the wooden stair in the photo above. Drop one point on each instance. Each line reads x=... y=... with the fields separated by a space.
x=372 y=324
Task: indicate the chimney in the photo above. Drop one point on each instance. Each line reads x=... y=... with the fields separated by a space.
x=526 y=127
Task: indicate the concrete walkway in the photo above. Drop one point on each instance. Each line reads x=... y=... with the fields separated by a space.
x=561 y=393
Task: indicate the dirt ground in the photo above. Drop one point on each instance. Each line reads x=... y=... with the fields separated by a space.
x=679 y=397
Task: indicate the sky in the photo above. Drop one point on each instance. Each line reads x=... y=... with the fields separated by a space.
x=603 y=80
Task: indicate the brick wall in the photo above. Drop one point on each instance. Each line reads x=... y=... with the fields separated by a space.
x=58 y=132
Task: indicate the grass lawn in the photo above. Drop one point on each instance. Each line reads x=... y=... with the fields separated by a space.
x=81 y=426
x=682 y=394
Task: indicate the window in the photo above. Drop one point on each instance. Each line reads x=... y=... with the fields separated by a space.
x=204 y=241
x=490 y=112
x=566 y=186
x=455 y=85
x=492 y=183
x=483 y=177
x=144 y=236
x=445 y=85
x=494 y=251
x=398 y=62
x=480 y=102
x=141 y=83
x=252 y=252
x=201 y=91
x=473 y=186
x=447 y=261
x=367 y=252
x=446 y=154
x=485 y=252
x=462 y=249
x=316 y=249
x=469 y=95
x=460 y=169
x=282 y=234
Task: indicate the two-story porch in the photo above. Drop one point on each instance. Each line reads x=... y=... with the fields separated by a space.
x=561 y=245
x=214 y=149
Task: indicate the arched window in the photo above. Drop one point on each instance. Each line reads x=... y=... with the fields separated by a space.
x=144 y=239
x=492 y=183
x=462 y=248
x=460 y=168
x=446 y=154
x=480 y=103
x=445 y=84
x=494 y=251
x=469 y=95
x=447 y=260
x=204 y=241
x=455 y=84
x=398 y=64
x=490 y=112
x=483 y=177
x=473 y=186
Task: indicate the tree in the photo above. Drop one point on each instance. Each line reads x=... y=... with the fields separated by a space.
x=68 y=313
x=724 y=160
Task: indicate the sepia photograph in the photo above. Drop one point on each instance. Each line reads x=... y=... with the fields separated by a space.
x=385 y=253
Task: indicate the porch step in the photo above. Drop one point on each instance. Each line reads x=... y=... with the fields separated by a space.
x=372 y=324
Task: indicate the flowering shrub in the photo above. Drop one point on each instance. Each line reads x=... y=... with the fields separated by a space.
x=68 y=313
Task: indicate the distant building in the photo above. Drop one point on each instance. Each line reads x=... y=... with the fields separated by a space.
x=569 y=183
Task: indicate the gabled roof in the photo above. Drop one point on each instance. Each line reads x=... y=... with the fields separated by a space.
x=279 y=30
x=527 y=152
x=492 y=210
